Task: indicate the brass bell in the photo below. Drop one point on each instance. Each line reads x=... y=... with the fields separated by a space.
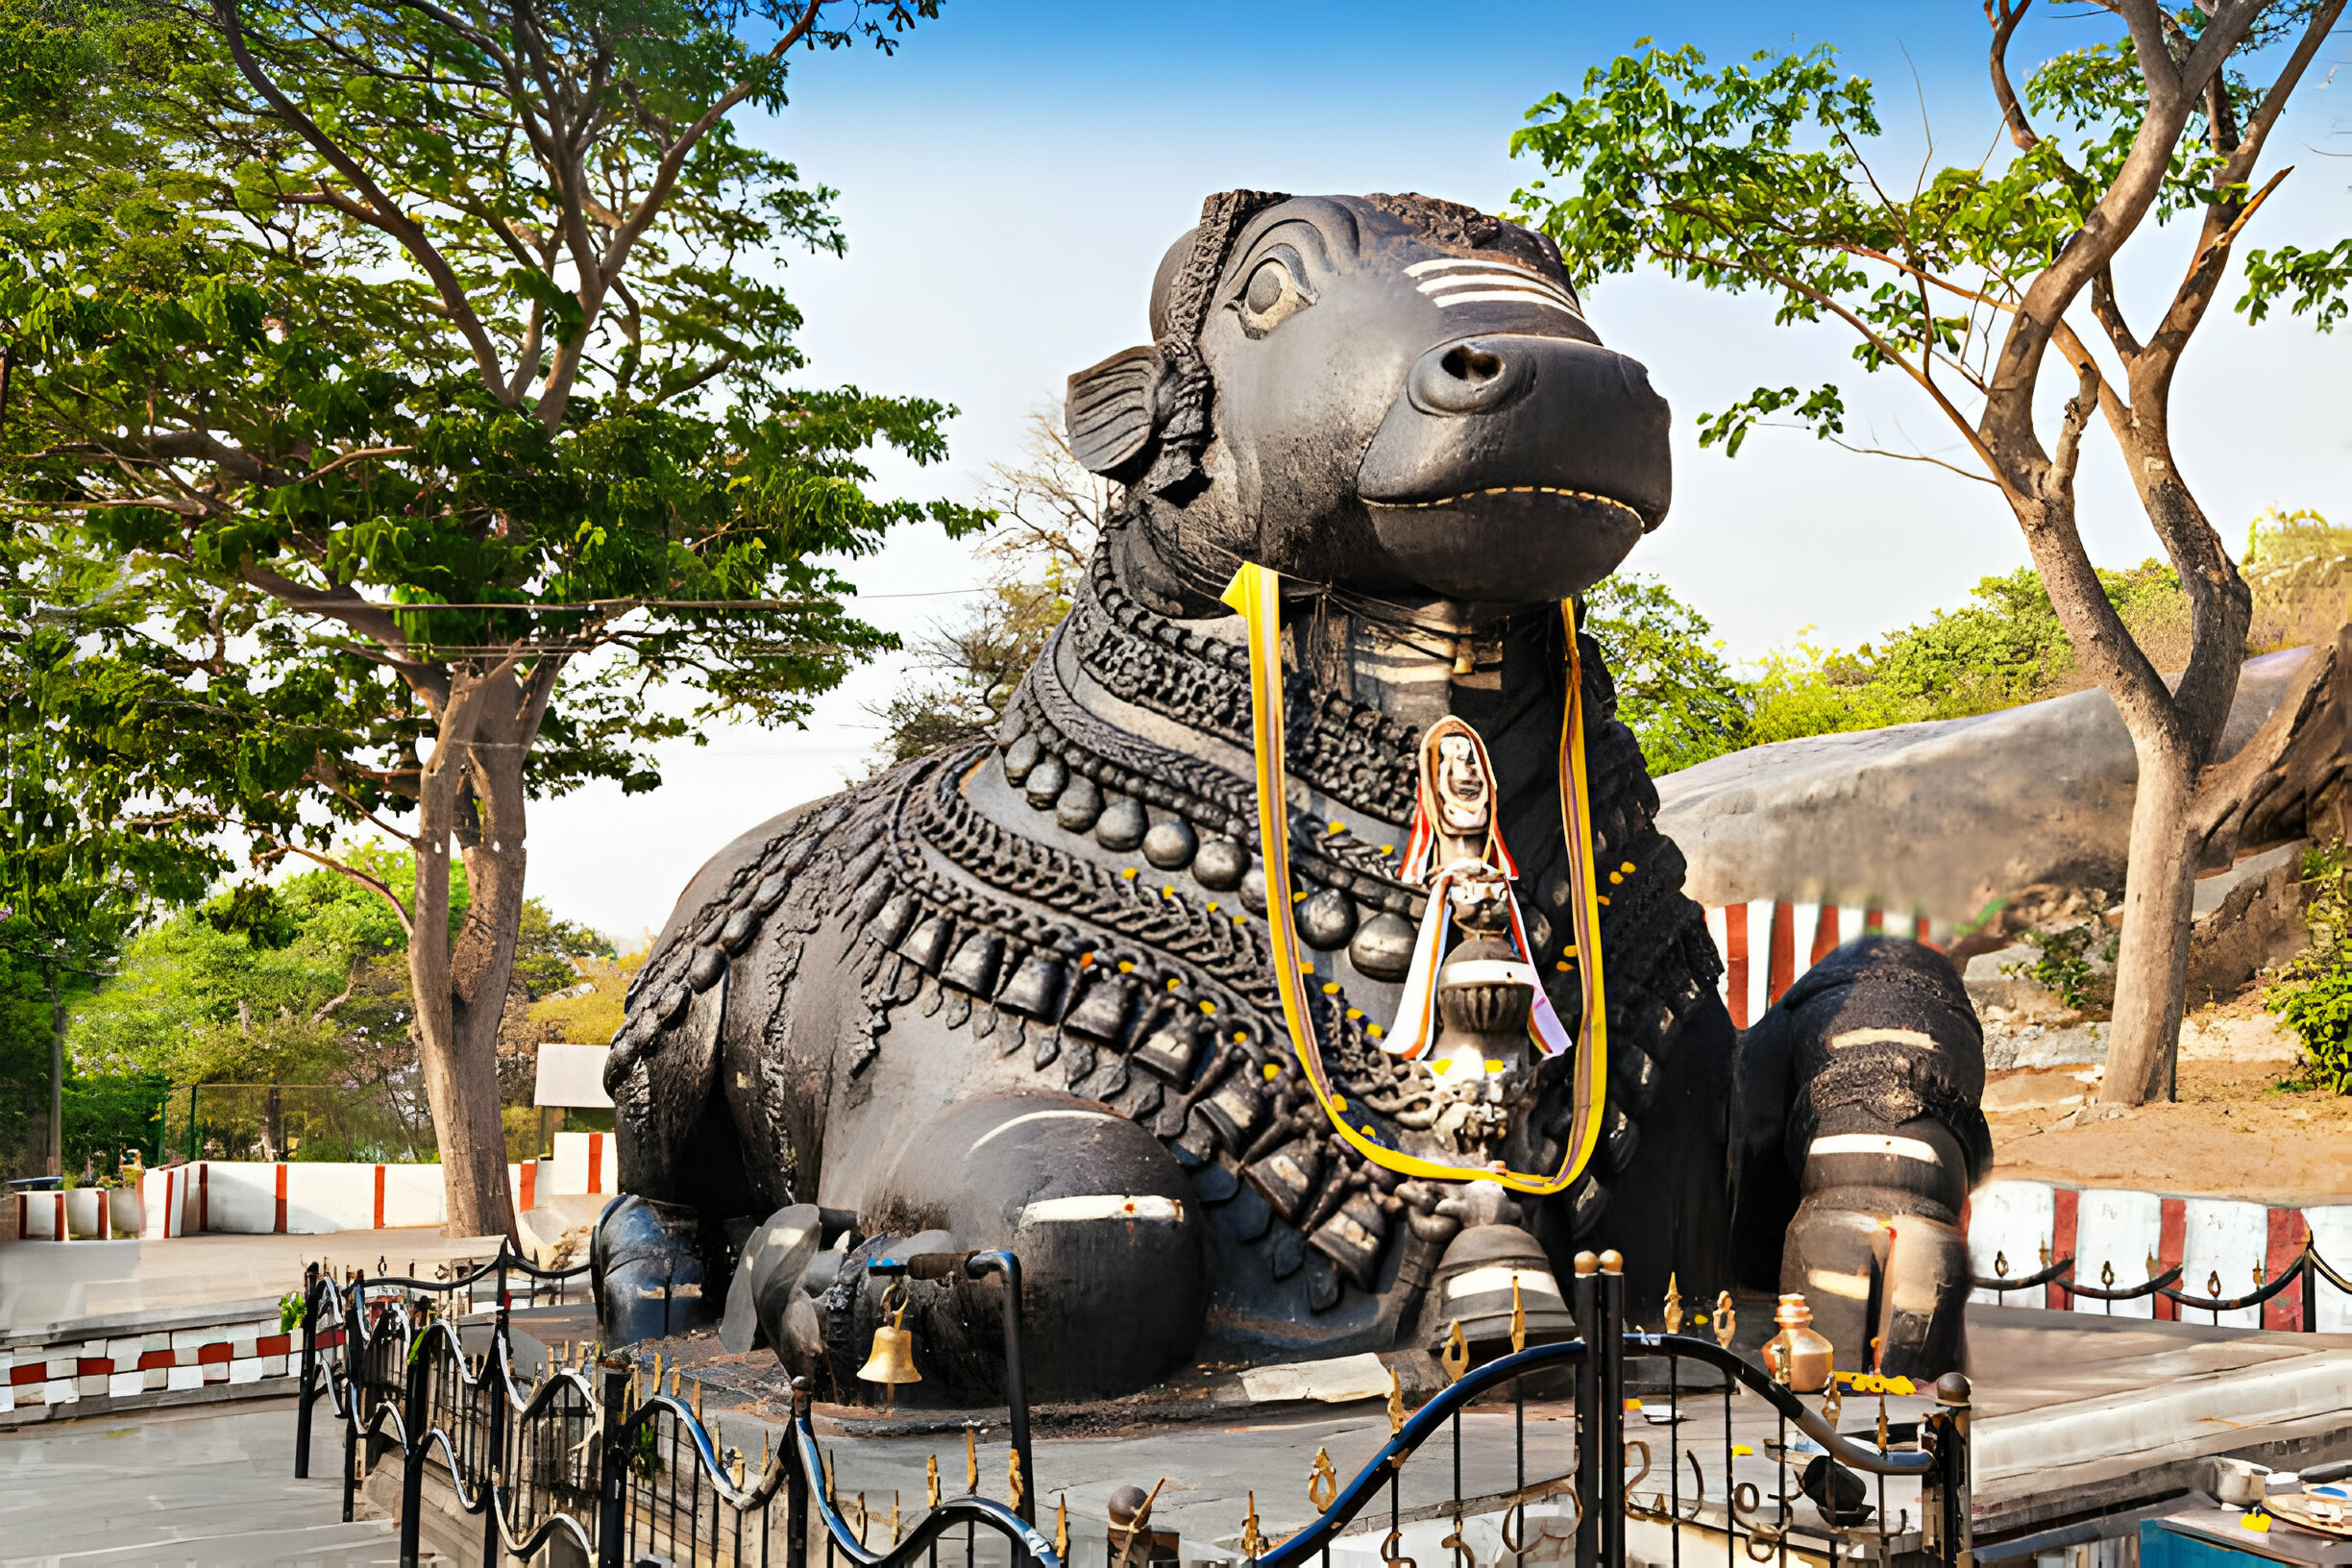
x=893 y=1361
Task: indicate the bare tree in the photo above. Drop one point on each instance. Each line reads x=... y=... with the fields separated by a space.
x=1050 y=511
x=1970 y=287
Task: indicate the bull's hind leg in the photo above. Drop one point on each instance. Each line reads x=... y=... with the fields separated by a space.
x=1862 y=1086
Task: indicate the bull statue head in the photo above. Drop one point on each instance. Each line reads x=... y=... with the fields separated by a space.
x=1388 y=395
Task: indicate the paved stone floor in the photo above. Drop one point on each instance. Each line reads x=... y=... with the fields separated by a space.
x=212 y=1484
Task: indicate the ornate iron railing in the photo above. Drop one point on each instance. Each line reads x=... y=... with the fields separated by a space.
x=2307 y=1269
x=1731 y=1512
x=630 y=1474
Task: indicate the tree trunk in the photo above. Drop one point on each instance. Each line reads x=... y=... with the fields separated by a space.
x=472 y=792
x=2152 y=960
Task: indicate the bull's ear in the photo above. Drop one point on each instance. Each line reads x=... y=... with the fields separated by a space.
x=1109 y=413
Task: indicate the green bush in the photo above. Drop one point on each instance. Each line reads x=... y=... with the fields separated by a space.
x=1685 y=703
x=107 y=1113
x=2313 y=995
x=2061 y=969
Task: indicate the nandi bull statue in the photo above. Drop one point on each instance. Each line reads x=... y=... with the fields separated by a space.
x=1298 y=972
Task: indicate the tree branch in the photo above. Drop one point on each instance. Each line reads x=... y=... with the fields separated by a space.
x=2005 y=18
x=382 y=212
x=596 y=273
x=2008 y=417
x=383 y=888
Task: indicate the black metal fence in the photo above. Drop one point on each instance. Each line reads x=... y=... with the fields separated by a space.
x=1743 y=1465
x=2303 y=1275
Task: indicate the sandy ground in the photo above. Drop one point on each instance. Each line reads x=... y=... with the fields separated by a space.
x=2238 y=1128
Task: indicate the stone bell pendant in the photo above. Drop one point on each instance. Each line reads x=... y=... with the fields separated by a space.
x=893 y=1360
x=1485 y=989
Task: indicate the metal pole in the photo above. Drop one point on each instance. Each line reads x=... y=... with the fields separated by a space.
x=1587 y=1306
x=413 y=1453
x=494 y=1373
x=611 y=1472
x=796 y=1482
x=191 y=1141
x=1016 y=1383
x=1957 y=1545
x=355 y=1353
x=307 y=1393
x=1611 y=1386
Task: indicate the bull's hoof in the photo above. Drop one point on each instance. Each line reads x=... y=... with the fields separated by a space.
x=646 y=1270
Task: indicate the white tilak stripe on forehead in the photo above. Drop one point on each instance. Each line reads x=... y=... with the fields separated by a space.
x=1523 y=295
x=1447 y=262
x=1508 y=280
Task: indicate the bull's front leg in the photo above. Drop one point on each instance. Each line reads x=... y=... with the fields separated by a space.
x=1877 y=1059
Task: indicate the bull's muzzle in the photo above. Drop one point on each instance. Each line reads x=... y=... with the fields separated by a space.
x=1515 y=468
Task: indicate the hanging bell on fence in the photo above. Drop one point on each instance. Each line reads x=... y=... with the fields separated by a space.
x=893 y=1361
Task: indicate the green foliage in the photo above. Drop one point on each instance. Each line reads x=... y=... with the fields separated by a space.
x=2313 y=283
x=2063 y=969
x=1674 y=691
x=111 y=1114
x=1685 y=704
x=288 y=982
x=83 y=859
x=1755 y=176
x=547 y=951
x=2313 y=995
x=2005 y=648
x=414 y=382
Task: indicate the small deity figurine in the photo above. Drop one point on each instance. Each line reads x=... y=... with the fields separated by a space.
x=1471 y=1011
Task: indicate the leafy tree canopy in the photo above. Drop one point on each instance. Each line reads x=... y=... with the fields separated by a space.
x=297 y=981
x=419 y=372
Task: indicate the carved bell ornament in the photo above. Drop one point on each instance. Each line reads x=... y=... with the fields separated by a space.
x=1798 y=1355
x=892 y=1359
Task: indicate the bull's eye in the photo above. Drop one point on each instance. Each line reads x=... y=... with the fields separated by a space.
x=1272 y=294
x=1266 y=287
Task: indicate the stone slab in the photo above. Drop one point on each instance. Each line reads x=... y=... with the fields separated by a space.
x=1334 y=1381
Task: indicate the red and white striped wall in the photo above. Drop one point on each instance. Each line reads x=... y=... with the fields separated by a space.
x=2225 y=1248
x=583 y=1162
x=295 y=1198
x=1767 y=943
x=121 y=1367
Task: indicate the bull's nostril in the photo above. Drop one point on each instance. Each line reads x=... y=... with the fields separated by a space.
x=1472 y=365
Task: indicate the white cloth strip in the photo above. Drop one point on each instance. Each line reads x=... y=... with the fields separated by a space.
x=1487 y=971
x=1101 y=1206
x=1900 y=1148
x=1882 y=1036
x=1476 y=1282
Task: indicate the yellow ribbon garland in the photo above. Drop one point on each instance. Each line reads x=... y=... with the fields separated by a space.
x=1254 y=594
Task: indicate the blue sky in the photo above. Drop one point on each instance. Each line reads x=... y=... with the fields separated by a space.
x=1010 y=179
